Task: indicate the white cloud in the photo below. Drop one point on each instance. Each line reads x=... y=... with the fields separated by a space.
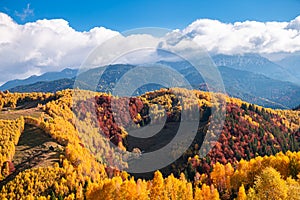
x=294 y=24
x=244 y=37
x=52 y=45
x=135 y=48
x=44 y=45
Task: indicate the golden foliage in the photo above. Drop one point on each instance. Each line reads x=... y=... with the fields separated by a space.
x=79 y=175
x=10 y=132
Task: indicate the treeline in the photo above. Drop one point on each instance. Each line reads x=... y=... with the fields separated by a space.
x=12 y=100
x=269 y=177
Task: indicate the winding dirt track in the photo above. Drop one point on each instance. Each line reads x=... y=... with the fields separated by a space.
x=34 y=149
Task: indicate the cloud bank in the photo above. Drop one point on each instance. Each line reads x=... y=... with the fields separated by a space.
x=246 y=37
x=52 y=45
x=44 y=45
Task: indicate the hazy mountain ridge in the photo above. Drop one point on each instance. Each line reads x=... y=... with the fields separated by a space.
x=292 y=64
x=45 y=86
x=238 y=83
x=259 y=89
x=284 y=70
x=244 y=77
x=256 y=64
x=48 y=76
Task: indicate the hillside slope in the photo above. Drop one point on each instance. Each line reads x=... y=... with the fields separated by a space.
x=249 y=132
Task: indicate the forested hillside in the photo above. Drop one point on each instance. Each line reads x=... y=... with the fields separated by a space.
x=255 y=157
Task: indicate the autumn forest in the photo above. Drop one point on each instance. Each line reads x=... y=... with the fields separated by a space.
x=256 y=155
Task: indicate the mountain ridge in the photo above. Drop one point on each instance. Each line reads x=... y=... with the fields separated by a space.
x=250 y=77
x=238 y=83
x=255 y=63
x=48 y=76
x=283 y=70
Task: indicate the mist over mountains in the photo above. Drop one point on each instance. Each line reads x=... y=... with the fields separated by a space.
x=250 y=77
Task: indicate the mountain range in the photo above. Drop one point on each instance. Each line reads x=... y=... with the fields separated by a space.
x=250 y=77
x=259 y=65
x=48 y=76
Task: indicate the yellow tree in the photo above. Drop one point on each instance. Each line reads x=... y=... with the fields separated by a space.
x=106 y=190
x=198 y=194
x=171 y=187
x=269 y=185
x=218 y=176
x=221 y=177
x=242 y=194
x=214 y=193
x=128 y=190
x=241 y=175
x=142 y=189
x=252 y=194
x=185 y=189
x=293 y=189
x=157 y=186
x=206 y=193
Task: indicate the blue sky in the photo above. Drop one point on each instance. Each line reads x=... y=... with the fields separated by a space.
x=122 y=15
